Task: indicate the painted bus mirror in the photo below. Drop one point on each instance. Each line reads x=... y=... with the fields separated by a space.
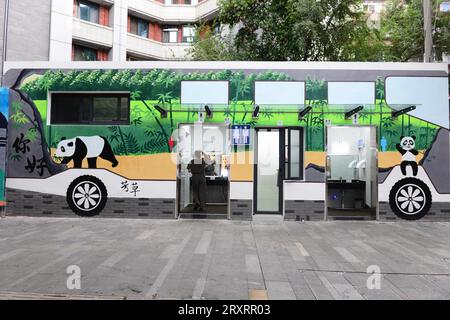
x=398 y=113
x=352 y=112
x=161 y=111
x=255 y=114
x=304 y=112
x=209 y=113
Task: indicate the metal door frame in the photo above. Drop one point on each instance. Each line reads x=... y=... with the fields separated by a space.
x=281 y=161
x=178 y=169
x=377 y=209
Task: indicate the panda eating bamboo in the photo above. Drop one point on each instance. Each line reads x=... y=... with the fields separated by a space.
x=79 y=148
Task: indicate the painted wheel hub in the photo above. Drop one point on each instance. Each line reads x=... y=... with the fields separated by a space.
x=410 y=199
x=86 y=196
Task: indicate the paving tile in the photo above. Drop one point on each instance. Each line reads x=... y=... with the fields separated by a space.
x=255 y=294
x=280 y=290
x=191 y=259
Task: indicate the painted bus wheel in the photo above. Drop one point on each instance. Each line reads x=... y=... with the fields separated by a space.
x=87 y=196
x=410 y=199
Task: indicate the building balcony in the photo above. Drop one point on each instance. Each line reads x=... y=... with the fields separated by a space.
x=173 y=13
x=207 y=9
x=150 y=49
x=92 y=34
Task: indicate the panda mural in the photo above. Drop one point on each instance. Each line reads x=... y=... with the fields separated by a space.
x=407 y=148
x=86 y=195
x=410 y=198
x=79 y=148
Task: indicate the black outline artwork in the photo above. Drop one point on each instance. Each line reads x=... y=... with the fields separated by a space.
x=410 y=199
x=81 y=151
x=96 y=187
x=413 y=164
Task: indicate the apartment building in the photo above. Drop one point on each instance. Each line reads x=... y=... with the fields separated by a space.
x=122 y=30
x=101 y=30
x=374 y=9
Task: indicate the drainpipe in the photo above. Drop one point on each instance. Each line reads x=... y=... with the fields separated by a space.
x=5 y=39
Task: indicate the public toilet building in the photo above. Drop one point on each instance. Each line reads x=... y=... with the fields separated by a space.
x=307 y=141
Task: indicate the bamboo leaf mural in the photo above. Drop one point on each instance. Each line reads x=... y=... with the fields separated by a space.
x=137 y=95
x=32 y=134
x=132 y=145
x=379 y=96
x=162 y=87
x=166 y=98
x=15 y=157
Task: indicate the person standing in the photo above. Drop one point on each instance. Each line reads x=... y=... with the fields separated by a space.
x=197 y=168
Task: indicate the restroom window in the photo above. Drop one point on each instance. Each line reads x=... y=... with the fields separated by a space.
x=294 y=154
x=90 y=108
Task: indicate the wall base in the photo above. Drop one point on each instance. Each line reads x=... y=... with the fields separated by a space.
x=304 y=210
x=440 y=211
x=34 y=204
x=241 y=210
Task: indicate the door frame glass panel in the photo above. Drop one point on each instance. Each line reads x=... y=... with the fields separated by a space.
x=281 y=160
x=301 y=154
x=227 y=152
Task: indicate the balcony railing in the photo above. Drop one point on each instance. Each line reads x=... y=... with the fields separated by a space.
x=144 y=47
x=92 y=33
x=175 y=12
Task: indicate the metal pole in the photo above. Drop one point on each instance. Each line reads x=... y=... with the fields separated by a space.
x=427 y=29
x=5 y=38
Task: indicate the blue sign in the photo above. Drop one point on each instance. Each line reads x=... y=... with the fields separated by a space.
x=4 y=102
x=241 y=135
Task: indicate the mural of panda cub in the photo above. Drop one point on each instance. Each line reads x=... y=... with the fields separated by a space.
x=79 y=148
x=407 y=148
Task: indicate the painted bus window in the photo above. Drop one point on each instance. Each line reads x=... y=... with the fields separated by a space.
x=88 y=108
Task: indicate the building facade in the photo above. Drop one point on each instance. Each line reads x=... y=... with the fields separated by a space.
x=374 y=9
x=101 y=30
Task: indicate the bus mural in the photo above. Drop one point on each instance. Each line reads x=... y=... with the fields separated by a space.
x=78 y=136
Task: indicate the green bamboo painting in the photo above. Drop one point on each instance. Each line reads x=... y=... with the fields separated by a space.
x=148 y=133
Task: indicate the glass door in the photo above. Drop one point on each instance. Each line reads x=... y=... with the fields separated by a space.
x=351 y=173
x=213 y=142
x=268 y=175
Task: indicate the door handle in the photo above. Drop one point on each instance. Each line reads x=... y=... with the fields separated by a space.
x=279 y=178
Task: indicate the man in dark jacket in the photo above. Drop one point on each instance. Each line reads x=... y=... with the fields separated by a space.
x=197 y=168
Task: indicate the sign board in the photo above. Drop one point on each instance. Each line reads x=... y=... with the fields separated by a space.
x=241 y=135
x=351 y=93
x=279 y=93
x=4 y=111
x=204 y=93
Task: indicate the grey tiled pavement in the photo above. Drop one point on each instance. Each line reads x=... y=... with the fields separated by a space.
x=187 y=259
